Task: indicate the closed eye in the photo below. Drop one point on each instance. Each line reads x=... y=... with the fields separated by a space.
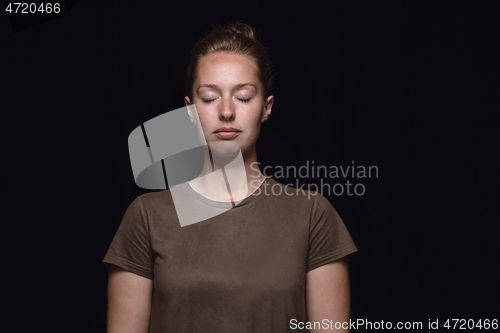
x=244 y=100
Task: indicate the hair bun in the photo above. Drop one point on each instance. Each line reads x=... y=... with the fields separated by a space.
x=240 y=28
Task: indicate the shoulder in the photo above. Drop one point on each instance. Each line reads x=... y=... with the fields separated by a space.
x=317 y=204
x=299 y=196
x=152 y=201
x=155 y=196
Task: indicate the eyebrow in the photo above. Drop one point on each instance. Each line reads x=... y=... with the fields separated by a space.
x=214 y=86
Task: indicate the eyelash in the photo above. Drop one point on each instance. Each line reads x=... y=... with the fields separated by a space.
x=211 y=100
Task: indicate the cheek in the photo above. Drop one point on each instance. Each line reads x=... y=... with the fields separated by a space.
x=205 y=124
x=204 y=118
x=254 y=118
x=253 y=126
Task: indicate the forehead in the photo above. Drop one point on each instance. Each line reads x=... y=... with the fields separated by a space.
x=227 y=67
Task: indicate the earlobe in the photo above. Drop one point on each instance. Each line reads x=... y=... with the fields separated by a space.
x=190 y=113
x=267 y=108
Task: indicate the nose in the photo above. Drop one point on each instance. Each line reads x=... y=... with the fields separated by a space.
x=226 y=113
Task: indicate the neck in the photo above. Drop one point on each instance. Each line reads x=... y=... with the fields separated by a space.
x=229 y=182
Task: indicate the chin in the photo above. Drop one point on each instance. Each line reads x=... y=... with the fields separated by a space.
x=225 y=148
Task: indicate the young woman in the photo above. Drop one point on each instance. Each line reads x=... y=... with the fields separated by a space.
x=274 y=261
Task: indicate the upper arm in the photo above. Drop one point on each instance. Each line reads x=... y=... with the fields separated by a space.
x=129 y=301
x=328 y=294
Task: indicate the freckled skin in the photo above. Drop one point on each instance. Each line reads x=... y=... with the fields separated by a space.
x=228 y=104
x=227 y=92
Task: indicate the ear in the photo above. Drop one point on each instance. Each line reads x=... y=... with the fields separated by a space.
x=267 y=108
x=187 y=101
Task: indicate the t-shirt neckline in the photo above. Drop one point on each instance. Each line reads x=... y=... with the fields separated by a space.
x=227 y=204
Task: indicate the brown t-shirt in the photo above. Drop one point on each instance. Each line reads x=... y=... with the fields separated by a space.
x=241 y=271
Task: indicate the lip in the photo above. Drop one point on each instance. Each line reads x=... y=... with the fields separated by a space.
x=227 y=132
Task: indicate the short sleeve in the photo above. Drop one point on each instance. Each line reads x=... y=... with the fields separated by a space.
x=329 y=239
x=130 y=249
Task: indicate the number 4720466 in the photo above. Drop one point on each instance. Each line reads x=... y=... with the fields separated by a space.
x=27 y=8
x=463 y=324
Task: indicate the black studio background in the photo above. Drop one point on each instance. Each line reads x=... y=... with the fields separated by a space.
x=404 y=86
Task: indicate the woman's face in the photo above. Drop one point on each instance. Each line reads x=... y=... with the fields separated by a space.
x=229 y=99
